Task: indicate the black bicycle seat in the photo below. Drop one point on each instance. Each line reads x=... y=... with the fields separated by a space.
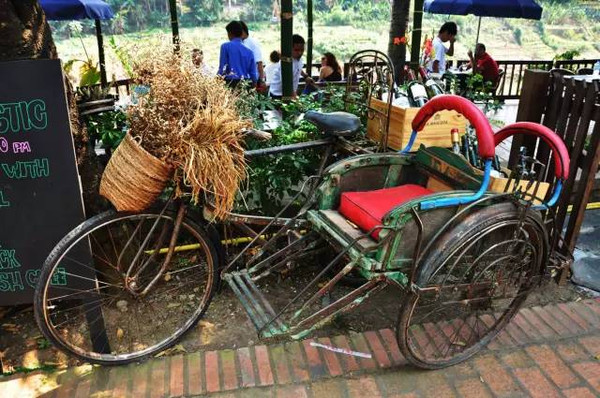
x=335 y=123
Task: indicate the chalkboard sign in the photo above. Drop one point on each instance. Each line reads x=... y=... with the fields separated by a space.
x=40 y=193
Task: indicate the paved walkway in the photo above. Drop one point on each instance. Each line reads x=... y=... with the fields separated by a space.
x=551 y=351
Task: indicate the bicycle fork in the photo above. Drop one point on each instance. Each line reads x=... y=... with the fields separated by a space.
x=133 y=273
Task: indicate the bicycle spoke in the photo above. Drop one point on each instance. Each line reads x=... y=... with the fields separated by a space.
x=134 y=325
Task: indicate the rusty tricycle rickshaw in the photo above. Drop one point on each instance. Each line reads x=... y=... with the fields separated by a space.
x=464 y=257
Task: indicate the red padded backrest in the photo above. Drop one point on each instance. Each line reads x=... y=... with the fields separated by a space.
x=559 y=150
x=485 y=134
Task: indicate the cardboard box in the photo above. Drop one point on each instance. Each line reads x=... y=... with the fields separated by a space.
x=435 y=133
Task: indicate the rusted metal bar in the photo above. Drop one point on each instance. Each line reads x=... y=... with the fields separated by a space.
x=167 y=260
x=289 y=148
x=346 y=303
x=326 y=288
x=142 y=247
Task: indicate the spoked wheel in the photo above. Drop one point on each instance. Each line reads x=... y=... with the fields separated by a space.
x=102 y=296
x=471 y=284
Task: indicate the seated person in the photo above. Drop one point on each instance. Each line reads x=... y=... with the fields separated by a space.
x=331 y=71
x=483 y=64
x=198 y=61
x=272 y=67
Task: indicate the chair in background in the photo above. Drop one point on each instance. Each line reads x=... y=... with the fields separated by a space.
x=370 y=76
x=561 y=72
x=585 y=71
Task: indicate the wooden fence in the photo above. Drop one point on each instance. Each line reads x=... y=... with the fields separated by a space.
x=571 y=108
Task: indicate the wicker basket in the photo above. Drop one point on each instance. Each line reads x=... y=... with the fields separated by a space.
x=133 y=178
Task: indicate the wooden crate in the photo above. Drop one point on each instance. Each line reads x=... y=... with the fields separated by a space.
x=435 y=133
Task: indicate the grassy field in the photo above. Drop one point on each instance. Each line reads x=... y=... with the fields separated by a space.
x=505 y=38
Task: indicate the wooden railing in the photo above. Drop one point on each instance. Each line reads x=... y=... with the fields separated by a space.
x=509 y=87
x=575 y=64
x=512 y=81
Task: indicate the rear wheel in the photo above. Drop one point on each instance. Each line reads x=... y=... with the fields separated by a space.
x=471 y=285
x=89 y=305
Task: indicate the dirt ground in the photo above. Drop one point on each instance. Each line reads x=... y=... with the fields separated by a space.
x=226 y=325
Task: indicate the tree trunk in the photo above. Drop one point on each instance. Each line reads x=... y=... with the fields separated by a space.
x=397 y=43
x=25 y=34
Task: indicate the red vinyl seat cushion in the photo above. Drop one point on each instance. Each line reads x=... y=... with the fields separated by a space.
x=367 y=209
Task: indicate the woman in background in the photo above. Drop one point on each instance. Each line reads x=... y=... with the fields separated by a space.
x=330 y=72
x=330 y=69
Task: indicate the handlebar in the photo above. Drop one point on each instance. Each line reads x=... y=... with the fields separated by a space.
x=559 y=151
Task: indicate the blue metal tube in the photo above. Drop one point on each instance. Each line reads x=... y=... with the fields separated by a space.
x=461 y=200
x=553 y=199
x=411 y=141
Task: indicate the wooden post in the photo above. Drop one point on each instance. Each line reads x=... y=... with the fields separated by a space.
x=415 y=51
x=309 y=40
x=532 y=103
x=174 y=24
x=287 y=29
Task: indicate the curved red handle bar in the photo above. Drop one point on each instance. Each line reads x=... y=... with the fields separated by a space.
x=485 y=134
x=559 y=150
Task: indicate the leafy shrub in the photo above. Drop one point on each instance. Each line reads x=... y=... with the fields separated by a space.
x=108 y=127
x=273 y=180
x=567 y=55
x=518 y=33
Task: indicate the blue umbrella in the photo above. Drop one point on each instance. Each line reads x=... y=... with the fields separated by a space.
x=61 y=10
x=527 y=9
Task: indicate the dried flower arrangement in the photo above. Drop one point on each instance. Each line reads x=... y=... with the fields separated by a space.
x=190 y=122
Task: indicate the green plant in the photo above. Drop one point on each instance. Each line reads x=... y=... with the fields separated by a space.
x=89 y=74
x=122 y=55
x=567 y=55
x=24 y=369
x=274 y=180
x=108 y=127
x=43 y=343
x=481 y=92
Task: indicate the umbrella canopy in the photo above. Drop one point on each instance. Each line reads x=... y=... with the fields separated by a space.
x=60 y=10
x=68 y=10
x=527 y=9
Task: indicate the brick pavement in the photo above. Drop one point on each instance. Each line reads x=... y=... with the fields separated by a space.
x=550 y=351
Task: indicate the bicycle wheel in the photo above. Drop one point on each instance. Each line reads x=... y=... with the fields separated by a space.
x=472 y=283
x=96 y=298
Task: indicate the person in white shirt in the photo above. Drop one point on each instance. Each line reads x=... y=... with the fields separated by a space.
x=447 y=33
x=275 y=88
x=198 y=61
x=270 y=69
x=254 y=46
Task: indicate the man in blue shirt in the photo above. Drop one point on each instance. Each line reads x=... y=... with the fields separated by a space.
x=236 y=61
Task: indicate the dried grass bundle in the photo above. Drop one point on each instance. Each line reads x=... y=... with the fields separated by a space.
x=190 y=121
